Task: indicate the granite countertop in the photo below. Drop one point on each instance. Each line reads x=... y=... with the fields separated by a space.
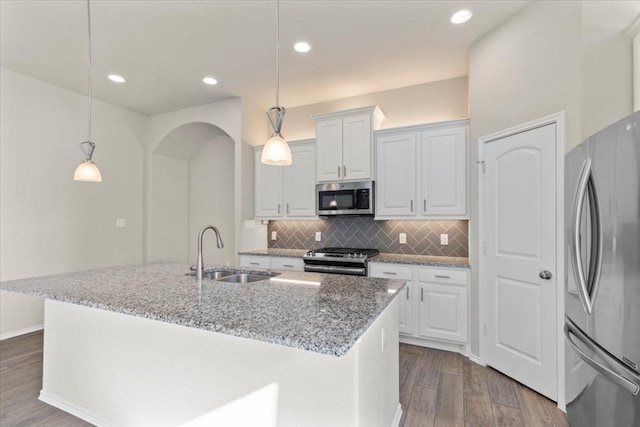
x=425 y=260
x=290 y=253
x=323 y=313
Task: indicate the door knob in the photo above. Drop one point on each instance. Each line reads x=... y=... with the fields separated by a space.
x=545 y=274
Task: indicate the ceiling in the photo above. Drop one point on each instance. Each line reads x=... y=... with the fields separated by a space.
x=165 y=48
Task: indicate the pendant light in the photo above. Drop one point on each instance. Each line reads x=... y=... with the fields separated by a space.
x=87 y=171
x=276 y=151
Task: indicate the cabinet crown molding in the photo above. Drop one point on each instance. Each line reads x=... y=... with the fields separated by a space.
x=373 y=109
x=419 y=127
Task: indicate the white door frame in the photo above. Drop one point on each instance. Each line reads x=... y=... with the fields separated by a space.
x=559 y=120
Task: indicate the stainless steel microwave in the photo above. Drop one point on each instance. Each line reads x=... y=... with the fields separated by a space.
x=345 y=198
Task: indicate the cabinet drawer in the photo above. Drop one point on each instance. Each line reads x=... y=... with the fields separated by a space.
x=390 y=271
x=455 y=277
x=255 y=261
x=293 y=264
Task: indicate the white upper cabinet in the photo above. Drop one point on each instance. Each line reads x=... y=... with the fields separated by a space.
x=287 y=192
x=422 y=172
x=396 y=174
x=344 y=144
x=444 y=165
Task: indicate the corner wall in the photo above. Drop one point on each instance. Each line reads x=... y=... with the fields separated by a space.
x=49 y=223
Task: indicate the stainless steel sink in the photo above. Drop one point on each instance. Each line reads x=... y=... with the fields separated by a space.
x=244 y=278
x=214 y=275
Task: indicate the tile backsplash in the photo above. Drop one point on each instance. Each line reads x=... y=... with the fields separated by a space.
x=423 y=237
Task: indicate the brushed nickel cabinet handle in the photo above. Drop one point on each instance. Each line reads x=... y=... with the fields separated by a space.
x=287 y=207
x=407 y=292
x=442 y=277
x=278 y=207
x=344 y=171
x=421 y=294
x=287 y=265
x=389 y=272
x=411 y=205
x=254 y=263
x=425 y=205
x=338 y=171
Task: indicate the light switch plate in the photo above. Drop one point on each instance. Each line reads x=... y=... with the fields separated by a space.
x=318 y=236
x=274 y=235
x=121 y=222
x=444 y=239
x=403 y=238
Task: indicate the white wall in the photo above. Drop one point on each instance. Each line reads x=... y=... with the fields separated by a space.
x=211 y=190
x=49 y=223
x=169 y=210
x=425 y=103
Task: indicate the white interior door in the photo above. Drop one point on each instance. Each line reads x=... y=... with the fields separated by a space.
x=519 y=245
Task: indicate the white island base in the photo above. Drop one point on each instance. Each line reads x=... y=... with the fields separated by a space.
x=113 y=369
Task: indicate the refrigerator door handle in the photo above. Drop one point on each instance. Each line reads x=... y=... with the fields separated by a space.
x=578 y=205
x=570 y=330
x=593 y=280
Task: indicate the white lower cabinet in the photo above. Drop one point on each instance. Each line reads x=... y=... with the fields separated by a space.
x=274 y=262
x=434 y=304
x=387 y=271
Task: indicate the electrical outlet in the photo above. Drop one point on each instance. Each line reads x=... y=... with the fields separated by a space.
x=403 y=238
x=274 y=235
x=318 y=236
x=444 y=239
x=121 y=222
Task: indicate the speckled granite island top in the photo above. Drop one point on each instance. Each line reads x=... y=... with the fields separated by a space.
x=323 y=313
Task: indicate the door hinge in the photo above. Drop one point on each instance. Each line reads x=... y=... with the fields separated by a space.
x=483 y=165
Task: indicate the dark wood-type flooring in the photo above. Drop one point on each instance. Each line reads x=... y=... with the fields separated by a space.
x=437 y=388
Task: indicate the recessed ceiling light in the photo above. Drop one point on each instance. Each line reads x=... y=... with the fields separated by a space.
x=461 y=16
x=116 y=78
x=302 y=47
x=210 y=81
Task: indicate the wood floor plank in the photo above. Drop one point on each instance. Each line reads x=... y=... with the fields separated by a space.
x=507 y=416
x=428 y=372
x=451 y=363
x=501 y=389
x=477 y=402
x=450 y=402
x=536 y=409
x=422 y=407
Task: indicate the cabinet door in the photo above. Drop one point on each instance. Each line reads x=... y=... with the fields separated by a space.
x=329 y=150
x=396 y=175
x=356 y=147
x=268 y=189
x=386 y=271
x=300 y=183
x=444 y=172
x=443 y=312
x=286 y=263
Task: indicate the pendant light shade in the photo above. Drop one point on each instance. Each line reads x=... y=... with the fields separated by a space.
x=87 y=171
x=276 y=151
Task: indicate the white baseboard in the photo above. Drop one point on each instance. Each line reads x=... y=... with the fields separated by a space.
x=74 y=410
x=397 y=417
x=19 y=332
x=439 y=345
x=476 y=359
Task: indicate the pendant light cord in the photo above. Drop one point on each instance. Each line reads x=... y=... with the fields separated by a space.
x=277 y=53
x=90 y=70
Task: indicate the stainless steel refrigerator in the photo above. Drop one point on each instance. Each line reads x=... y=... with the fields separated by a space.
x=602 y=283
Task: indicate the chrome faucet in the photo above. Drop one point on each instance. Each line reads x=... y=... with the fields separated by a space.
x=200 y=264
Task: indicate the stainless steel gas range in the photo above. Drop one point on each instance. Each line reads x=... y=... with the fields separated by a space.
x=351 y=261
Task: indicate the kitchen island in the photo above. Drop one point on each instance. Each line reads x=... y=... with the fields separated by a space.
x=149 y=345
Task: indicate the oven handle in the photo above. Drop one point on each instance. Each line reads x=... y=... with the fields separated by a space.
x=335 y=269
